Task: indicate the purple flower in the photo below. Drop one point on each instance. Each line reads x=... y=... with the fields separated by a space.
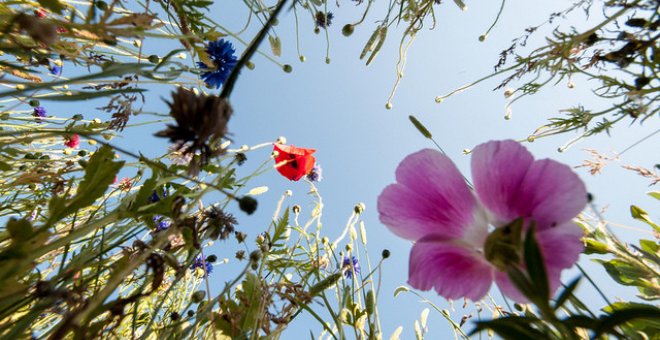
x=350 y=265
x=449 y=222
x=200 y=263
x=39 y=112
x=221 y=52
x=316 y=175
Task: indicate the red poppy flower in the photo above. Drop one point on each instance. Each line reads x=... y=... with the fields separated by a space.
x=72 y=141
x=292 y=162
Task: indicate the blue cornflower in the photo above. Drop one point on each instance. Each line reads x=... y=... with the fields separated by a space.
x=155 y=197
x=161 y=223
x=324 y=20
x=350 y=265
x=55 y=70
x=39 y=112
x=199 y=263
x=221 y=52
x=316 y=175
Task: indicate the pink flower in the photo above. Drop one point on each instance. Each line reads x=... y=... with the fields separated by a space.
x=72 y=141
x=432 y=205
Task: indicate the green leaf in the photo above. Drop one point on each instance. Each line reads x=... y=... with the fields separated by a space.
x=595 y=247
x=512 y=327
x=641 y=215
x=280 y=226
x=20 y=230
x=420 y=127
x=654 y=194
x=100 y=172
x=566 y=293
x=535 y=265
x=252 y=289
x=5 y=167
x=621 y=313
x=52 y=5
x=522 y=283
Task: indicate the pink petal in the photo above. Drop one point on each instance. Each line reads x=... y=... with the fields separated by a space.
x=430 y=198
x=561 y=247
x=498 y=169
x=552 y=194
x=511 y=185
x=508 y=289
x=454 y=270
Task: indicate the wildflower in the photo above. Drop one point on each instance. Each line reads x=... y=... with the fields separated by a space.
x=220 y=223
x=39 y=112
x=55 y=70
x=125 y=184
x=316 y=175
x=221 y=52
x=324 y=20
x=202 y=265
x=40 y=13
x=292 y=162
x=72 y=141
x=155 y=197
x=201 y=122
x=161 y=223
x=432 y=205
x=350 y=265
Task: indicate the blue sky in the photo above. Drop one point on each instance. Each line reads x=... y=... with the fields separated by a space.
x=339 y=109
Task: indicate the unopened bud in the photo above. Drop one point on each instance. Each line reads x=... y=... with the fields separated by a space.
x=347 y=30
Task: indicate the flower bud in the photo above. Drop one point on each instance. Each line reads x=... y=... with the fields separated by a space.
x=347 y=30
x=359 y=208
x=247 y=204
x=198 y=296
x=386 y=253
x=287 y=68
x=296 y=209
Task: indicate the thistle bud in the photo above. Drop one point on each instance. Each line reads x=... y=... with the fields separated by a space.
x=247 y=204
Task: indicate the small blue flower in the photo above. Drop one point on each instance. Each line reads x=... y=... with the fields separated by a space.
x=161 y=223
x=55 y=70
x=316 y=175
x=221 y=52
x=155 y=197
x=350 y=265
x=39 y=112
x=199 y=263
x=324 y=20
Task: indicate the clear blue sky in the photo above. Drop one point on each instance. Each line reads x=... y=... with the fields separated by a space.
x=339 y=109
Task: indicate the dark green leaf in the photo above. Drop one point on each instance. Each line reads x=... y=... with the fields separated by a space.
x=566 y=293
x=535 y=265
x=5 y=167
x=513 y=327
x=100 y=172
x=20 y=230
x=53 y=5
x=624 y=313
x=522 y=283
